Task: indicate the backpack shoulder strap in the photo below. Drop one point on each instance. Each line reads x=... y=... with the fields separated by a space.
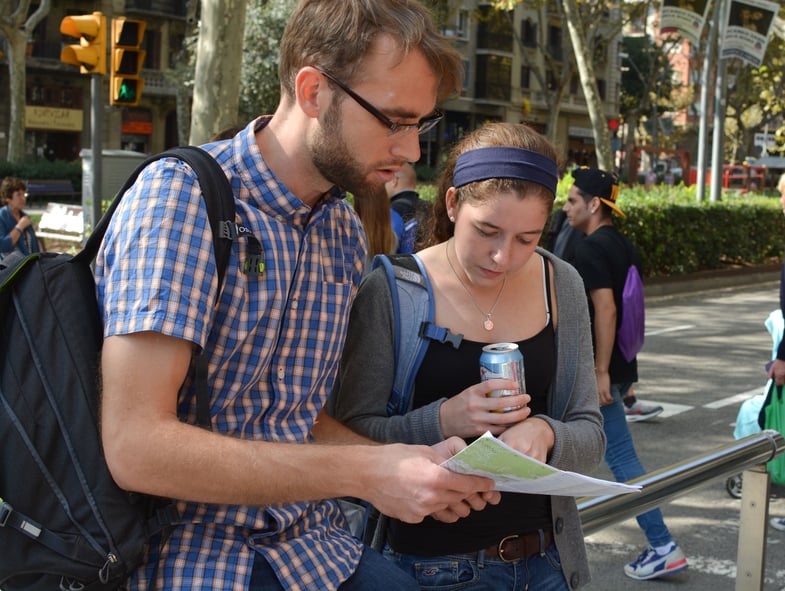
x=219 y=200
x=413 y=314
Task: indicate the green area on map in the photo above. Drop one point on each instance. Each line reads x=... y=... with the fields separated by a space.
x=488 y=455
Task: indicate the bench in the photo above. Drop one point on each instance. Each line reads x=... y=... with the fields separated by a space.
x=44 y=189
x=61 y=221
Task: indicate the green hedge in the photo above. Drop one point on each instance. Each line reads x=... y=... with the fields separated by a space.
x=676 y=234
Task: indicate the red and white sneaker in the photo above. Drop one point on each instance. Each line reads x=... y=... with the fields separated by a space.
x=641 y=411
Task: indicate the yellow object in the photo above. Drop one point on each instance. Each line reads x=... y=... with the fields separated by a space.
x=90 y=53
x=126 y=83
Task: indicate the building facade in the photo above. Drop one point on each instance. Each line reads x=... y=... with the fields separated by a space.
x=58 y=98
x=517 y=68
x=520 y=65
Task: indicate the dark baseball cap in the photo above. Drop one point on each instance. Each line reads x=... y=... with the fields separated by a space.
x=599 y=183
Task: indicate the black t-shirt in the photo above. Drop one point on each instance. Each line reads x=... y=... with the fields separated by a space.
x=445 y=372
x=602 y=259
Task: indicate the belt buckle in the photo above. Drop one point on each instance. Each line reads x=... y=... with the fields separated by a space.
x=501 y=547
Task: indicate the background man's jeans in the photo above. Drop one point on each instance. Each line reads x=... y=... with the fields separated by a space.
x=624 y=463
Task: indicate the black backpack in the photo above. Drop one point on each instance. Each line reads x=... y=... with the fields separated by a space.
x=64 y=523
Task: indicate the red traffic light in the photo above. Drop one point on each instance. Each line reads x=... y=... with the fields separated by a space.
x=613 y=124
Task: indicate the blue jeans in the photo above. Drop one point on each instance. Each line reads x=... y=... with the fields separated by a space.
x=475 y=572
x=624 y=463
x=374 y=573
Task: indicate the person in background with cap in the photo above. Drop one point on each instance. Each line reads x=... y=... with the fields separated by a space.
x=563 y=240
x=602 y=261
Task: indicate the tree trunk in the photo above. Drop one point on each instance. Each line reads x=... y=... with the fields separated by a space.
x=218 y=63
x=17 y=44
x=552 y=123
x=17 y=31
x=588 y=79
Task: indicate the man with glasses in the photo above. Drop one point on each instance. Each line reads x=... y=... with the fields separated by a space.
x=424 y=125
x=359 y=79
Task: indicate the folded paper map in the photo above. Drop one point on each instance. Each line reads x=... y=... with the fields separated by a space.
x=514 y=472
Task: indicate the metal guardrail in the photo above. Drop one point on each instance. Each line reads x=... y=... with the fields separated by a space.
x=748 y=455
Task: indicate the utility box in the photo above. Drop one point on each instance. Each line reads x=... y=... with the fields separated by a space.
x=116 y=165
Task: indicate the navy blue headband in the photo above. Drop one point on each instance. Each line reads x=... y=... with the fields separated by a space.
x=505 y=163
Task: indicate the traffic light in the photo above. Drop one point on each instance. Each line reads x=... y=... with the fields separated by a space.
x=90 y=53
x=613 y=126
x=125 y=84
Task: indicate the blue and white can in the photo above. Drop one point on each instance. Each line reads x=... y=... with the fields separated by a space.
x=503 y=360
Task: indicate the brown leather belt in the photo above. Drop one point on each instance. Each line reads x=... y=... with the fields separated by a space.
x=518 y=547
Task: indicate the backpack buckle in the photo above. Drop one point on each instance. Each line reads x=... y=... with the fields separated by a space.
x=167 y=515
x=228 y=230
x=5 y=512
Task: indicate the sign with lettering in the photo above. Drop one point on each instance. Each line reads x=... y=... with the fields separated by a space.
x=748 y=30
x=683 y=17
x=53 y=118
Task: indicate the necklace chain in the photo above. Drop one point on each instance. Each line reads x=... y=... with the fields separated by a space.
x=487 y=323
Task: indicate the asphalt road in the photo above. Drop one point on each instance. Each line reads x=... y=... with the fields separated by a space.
x=704 y=354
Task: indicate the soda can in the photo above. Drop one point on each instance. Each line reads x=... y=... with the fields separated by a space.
x=503 y=360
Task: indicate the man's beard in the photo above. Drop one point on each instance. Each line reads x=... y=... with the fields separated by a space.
x=333 y=161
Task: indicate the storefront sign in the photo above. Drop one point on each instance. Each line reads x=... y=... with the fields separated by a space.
x=137 y=122
x=137 y=127
x=582 y=132
x=53 y=119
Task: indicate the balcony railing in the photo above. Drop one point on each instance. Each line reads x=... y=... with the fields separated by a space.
x=167 y=7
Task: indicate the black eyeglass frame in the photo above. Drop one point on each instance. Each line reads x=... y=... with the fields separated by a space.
x=422 y=126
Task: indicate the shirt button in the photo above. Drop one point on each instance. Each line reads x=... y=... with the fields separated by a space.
x=294 y=304
x=281 y=373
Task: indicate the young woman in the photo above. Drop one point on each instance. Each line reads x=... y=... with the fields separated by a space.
x=491 y=283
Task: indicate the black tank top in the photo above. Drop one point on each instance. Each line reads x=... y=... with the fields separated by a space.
x=445 y=372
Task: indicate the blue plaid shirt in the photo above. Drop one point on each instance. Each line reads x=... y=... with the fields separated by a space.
x=274 y=345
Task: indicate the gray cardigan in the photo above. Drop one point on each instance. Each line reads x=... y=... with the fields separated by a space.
x=366 y=376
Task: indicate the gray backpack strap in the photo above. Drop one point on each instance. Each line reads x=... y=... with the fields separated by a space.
x=413 y=313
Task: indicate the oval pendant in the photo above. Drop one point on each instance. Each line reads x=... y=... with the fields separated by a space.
x=488 y=324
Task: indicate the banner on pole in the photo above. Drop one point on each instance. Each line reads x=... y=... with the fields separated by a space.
x=748 y=29
x=683 y=17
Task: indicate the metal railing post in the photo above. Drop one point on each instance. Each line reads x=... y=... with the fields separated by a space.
x=751 y=556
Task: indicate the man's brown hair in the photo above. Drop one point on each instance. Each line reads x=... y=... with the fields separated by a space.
x=338 y=34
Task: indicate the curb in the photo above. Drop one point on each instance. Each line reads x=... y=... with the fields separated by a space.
x=710 y=280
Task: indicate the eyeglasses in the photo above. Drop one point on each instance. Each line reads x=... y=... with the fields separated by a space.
x=423 y=125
